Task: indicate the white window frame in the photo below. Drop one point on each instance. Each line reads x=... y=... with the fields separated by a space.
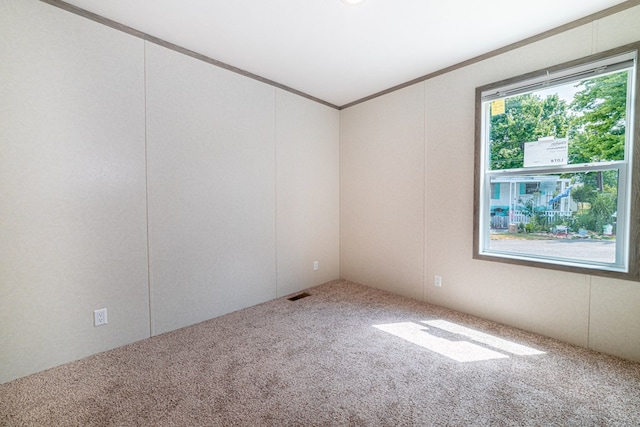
x=626 y=265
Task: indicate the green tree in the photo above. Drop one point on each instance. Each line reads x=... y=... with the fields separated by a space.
x=602 y=209
x=599 y=123
x=583 y=194
x=527 y=117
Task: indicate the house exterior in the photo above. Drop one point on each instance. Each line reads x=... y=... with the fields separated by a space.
x=512 y=196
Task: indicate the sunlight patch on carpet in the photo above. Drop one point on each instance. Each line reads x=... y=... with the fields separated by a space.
x=460 y=351
x=481 y=337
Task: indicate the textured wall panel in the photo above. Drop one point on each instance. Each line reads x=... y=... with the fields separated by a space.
x=72 y=188
x=211 y=171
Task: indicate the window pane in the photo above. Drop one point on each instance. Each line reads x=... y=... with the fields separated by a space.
x=590 y=114
x=569 y=216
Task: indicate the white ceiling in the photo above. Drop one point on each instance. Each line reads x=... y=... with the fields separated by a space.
x=341 y=53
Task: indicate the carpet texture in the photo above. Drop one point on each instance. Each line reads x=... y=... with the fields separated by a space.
x=320 y=361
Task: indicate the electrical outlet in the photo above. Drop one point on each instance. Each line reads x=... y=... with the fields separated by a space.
x=438 y=281
x=100 y=317
x=316 y=265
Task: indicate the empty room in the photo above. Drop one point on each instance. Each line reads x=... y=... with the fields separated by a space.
x=320 y=212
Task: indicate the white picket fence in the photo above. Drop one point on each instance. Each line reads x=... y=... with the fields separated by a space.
x=518 y=217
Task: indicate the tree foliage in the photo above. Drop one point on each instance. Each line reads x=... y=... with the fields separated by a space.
x=599 y=123
x=594 y=121
x=583 y=193
x=527 y=117
x=602 y=208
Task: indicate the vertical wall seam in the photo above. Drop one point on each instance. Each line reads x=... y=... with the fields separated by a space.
x=146 y=184
x=589 y=314
x=339 y=194
x=424 y=192
x=340 y=114
x=275 y=187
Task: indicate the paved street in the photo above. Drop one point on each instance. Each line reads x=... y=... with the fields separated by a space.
x=592 y=250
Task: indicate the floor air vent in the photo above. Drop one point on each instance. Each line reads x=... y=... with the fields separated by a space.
x=299 y=296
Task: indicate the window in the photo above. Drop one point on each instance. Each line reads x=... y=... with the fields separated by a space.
x=495 y=191
x=556 y=165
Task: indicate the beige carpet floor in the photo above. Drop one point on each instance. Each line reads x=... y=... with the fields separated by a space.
x=345 y=355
